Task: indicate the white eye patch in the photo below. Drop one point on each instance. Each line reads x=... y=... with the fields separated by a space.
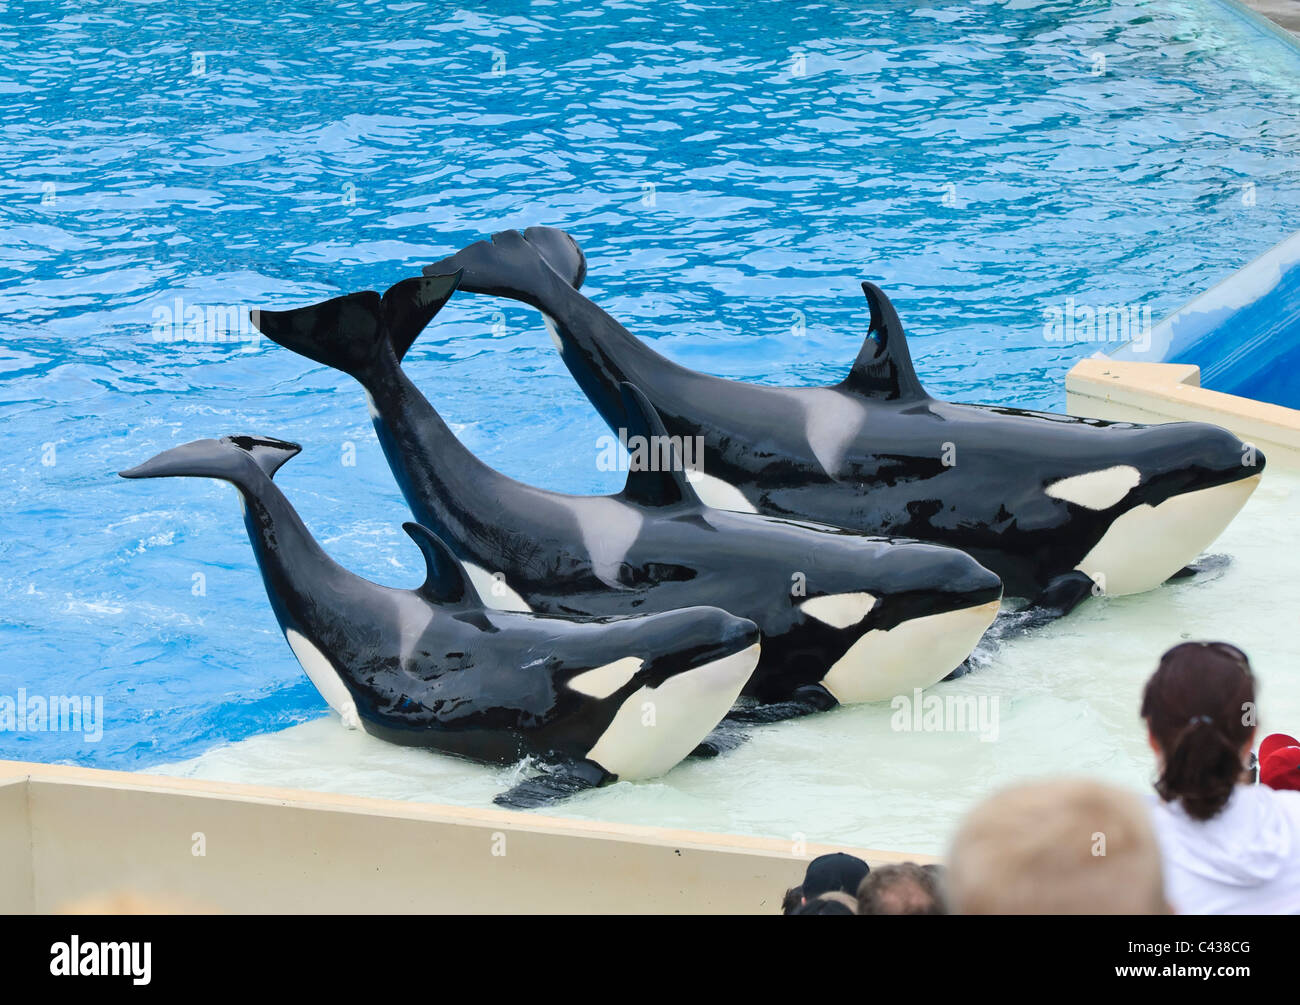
x=1097 y=489
x=839 y=610
x=605 y=680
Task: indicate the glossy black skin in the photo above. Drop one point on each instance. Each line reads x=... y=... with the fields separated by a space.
x=682 y=553
x=890 y=477
x=433 y=667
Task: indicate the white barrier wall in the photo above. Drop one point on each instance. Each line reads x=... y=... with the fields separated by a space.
x=99 y=840
x=16 y=891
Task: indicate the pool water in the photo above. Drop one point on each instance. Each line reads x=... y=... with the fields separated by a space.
x=732 y=171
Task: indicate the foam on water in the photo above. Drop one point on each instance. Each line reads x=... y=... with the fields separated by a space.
x=1066 y=699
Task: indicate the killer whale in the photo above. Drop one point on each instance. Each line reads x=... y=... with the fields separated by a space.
x=843 y=617
x=435 y=667
x=1059 y=507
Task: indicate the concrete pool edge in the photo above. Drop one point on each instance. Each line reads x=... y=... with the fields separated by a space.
x=1099 y=387
x=83 y=837
x=1270 y=16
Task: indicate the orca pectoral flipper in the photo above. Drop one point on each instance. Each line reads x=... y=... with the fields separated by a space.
x=1061 y=596
x=806 y=700
x=554 y=785
x=962 y=670
x=725 y=738
x=1207 y=566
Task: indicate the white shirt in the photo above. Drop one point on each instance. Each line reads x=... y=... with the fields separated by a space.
x=1244 y=860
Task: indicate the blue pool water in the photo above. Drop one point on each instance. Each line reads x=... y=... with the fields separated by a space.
x=732 y=169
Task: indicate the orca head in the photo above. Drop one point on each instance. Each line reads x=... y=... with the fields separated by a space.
x=1160 y=499
x=905 y=616
x=656 y=685
x=817 y=591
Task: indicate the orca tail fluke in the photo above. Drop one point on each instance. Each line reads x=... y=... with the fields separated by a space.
x=226 y=458
x=350 y=333
x=561 y=252
x=343 y=333
x=516 y=266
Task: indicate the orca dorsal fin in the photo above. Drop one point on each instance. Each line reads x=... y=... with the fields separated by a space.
x=410 y=305
x=883 y=368
x=445 y=581
x=657 y=475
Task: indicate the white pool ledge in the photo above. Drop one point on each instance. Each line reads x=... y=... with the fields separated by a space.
x=81 y=840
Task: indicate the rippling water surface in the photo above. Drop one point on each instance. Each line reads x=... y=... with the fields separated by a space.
x=732 y=171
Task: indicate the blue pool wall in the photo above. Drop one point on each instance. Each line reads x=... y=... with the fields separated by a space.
x=1243 y=333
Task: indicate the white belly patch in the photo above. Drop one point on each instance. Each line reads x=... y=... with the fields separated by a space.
x=655 y=728
x=1148 y=544
x=917 y=653
x=320 y=671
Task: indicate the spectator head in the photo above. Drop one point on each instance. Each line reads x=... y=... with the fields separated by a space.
x=1056 y=847
x=1199 y=708
x=834 y=902
x=835 y=873
x=792 y=900
x=905 y=888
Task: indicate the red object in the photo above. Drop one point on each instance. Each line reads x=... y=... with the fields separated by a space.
x=1275 y=741
x=1281 y=768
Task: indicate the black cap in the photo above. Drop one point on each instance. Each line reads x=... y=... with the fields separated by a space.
x=827 y=873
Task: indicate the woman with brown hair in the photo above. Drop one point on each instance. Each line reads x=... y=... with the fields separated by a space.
x=1228 y=847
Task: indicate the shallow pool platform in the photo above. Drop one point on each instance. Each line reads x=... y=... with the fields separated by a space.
x=79 y=840
x=1126 y=391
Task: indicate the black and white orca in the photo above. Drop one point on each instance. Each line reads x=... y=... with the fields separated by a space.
x=844 y=617
x=1058 y=506
x=434 y=667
